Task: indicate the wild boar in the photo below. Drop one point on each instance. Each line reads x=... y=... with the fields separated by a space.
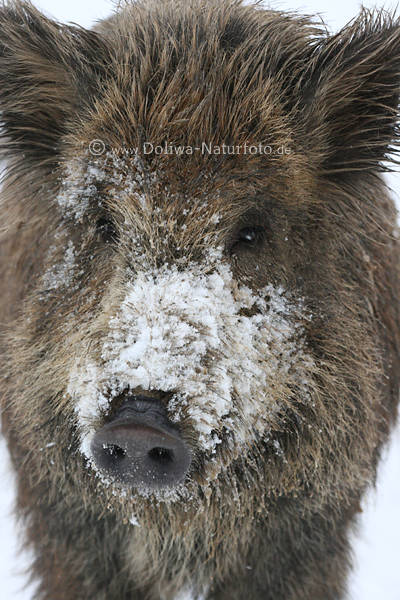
x=200 y=284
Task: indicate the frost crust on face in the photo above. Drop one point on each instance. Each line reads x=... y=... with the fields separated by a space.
x=78 y=188
x=84 y=176
x=62 y=273
x=193 y=333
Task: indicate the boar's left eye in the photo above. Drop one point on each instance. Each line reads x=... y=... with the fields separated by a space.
x=249 y=237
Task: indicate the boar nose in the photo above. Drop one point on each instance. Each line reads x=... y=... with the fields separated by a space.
x=141 y=447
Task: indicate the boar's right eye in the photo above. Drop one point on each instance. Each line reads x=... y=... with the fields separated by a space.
x=106 y=229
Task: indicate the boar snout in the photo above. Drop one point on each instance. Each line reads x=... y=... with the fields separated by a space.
x=141 y=447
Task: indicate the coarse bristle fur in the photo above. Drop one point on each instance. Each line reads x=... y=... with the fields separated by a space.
x=253 y=293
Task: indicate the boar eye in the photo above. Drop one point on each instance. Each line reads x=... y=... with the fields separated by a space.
x=106 y=229
x=249 y=237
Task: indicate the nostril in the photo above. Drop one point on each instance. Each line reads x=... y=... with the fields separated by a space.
x=114 y=451
x=161 y=455
x=138 y=452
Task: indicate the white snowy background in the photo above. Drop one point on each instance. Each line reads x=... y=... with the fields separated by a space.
x=377 y=546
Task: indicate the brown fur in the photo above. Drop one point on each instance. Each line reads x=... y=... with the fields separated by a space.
x=270 y=525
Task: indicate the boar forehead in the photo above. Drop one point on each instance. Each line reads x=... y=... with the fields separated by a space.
x=183 y=190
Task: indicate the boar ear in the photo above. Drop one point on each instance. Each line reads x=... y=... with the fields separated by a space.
x=46 y=74
x=353 y=93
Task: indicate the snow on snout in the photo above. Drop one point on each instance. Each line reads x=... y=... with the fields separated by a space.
x=184 y=331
